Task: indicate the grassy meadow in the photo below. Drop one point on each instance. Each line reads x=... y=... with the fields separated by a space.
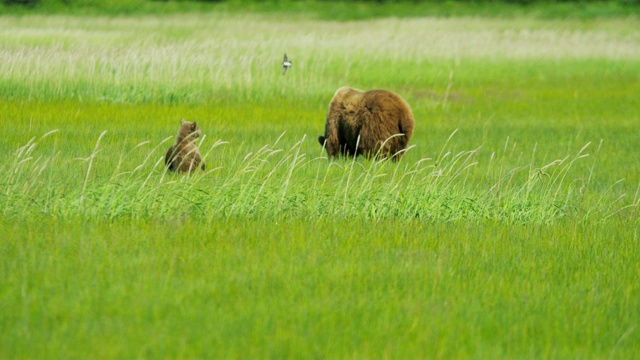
x=510 y=229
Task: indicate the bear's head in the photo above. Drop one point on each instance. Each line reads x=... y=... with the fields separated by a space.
x=189 y=130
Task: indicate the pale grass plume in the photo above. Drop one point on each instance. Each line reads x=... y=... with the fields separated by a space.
x=90 y=163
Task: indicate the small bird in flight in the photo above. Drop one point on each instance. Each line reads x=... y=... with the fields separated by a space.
x=286 y=64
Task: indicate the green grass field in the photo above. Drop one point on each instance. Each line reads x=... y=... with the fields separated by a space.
x=509 y=230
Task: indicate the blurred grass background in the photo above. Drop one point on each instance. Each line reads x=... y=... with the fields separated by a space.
x=342 y=10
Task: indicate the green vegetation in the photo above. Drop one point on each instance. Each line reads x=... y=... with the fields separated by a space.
x=261 y=289
x=509 y=230
x=338 y=10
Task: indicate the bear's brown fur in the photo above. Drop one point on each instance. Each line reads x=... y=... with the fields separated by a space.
x=184 y=155
x=375 y=116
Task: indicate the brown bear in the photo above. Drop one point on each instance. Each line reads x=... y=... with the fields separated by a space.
x=184 y=156
x=374 y=116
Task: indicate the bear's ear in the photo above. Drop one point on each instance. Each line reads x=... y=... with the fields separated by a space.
x=182 y=121
x=194 y=126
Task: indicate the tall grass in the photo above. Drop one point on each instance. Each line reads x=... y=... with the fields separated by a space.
x=200 y=58
x=281 y=181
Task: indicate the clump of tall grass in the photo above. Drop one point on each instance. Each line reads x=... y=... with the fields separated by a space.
x=279 y=181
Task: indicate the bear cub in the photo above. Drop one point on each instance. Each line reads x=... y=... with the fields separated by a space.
x=184 y=155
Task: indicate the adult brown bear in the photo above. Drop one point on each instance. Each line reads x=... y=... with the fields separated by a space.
x=184 y=155
x=372 y=123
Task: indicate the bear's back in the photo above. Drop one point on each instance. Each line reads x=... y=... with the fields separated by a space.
x=391 y=114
